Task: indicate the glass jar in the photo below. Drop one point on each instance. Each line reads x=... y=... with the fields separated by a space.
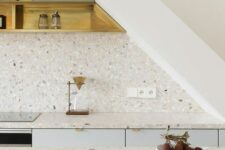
x=56 y=23
x=43 y=21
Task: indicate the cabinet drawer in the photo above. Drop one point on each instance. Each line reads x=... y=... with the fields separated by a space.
x=144 y=138
x=152 y=138
x=71 y=138
x=222 y=138
x=205 y=138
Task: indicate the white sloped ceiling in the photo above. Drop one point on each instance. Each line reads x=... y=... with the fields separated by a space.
x=175 y=47
x=205 y=17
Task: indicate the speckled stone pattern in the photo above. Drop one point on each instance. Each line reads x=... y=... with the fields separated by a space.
x=139 y=148
x=118 y=148
x=151 y=120
x=35 y=69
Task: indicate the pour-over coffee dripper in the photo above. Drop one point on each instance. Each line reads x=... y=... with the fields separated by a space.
x=79 y=81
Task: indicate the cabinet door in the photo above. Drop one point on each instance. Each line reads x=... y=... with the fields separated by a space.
x=71 y=138
x=144 y=137
x=208 y=138
x=152 y=138
x=204 y=138
x=222 y=138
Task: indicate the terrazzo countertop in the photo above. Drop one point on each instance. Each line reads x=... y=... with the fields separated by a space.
x=121 y=120
x=87 y=149
x=99 y=149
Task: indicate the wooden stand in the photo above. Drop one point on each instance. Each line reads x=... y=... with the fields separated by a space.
x=77 y=112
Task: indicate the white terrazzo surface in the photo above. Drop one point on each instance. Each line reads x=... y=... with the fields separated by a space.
x=139 y=148
x=35 y=68
x=122 y=120
x=86 y=149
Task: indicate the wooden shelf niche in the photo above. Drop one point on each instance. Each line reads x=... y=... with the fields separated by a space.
x=89 y=17
x=6 y=10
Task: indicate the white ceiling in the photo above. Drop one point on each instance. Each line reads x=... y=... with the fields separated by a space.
x=175 y=48
x=205 y=17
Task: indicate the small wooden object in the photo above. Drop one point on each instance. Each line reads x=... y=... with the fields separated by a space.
x=77 y=112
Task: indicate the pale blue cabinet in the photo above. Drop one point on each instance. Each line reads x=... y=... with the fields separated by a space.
x=72 y=138
x=222 y=138
x=152 y=138
x=92 y=138
x=143 y=137
x=204 y=138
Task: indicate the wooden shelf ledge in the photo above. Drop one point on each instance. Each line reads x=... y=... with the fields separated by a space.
x=56 y=31
x=75 y=17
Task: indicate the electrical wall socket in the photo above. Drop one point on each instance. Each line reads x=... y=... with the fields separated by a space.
x=148 y=92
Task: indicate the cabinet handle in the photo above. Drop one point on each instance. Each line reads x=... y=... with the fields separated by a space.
x=136 y=130
x=79 y=129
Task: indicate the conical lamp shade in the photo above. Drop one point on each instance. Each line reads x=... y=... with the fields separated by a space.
x=79 y=81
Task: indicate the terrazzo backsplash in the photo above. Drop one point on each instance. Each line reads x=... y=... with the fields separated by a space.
x=35 y=69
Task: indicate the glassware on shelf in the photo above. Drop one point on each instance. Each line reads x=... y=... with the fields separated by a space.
x=43 y=21
x=56 y=23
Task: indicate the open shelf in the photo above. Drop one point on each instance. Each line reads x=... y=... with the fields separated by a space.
x=6 y=10
x=75 y=17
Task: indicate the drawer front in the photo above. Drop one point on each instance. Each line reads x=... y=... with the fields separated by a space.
x=222 y=138
x=152 y=138
x=205 y=138
x=71 y=138
x=143 y=138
